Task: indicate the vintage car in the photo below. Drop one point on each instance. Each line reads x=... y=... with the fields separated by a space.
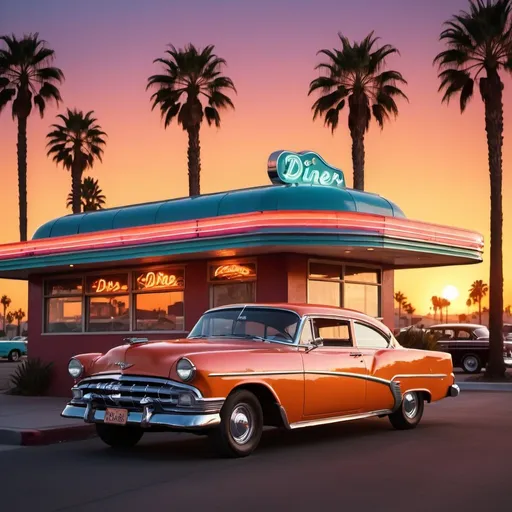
x=468 y=345
x=13 y=349
x=243 y=367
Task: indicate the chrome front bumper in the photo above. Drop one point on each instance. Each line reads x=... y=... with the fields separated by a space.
x=147 y=418
x=149 y=402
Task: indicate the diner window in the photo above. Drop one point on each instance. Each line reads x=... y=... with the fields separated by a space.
x=63 y=305
x=108 y=303
x=148 y=300
x=352 y=287
x=232 y=283
x=159 y=300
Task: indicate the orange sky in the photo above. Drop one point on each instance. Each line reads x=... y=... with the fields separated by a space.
x=432 y=161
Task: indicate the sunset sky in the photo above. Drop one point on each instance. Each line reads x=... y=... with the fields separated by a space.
x=431 y=161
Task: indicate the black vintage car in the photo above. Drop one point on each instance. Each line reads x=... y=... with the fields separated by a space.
x=468 y=345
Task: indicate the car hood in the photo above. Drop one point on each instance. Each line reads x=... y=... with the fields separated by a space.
x=156 y=358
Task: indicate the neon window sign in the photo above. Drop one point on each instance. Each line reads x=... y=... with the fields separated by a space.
x=232 y=271
x=160 y=280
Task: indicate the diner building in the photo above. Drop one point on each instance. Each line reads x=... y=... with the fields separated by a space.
x=150 y=270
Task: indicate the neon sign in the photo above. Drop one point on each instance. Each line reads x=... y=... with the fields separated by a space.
x=104 y=286
x=304 y=168
x=156 y=280
x=234 y=272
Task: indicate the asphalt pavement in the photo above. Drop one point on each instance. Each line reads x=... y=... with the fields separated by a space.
x=458 y=459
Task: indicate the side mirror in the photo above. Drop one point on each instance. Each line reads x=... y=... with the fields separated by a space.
x=315 y=343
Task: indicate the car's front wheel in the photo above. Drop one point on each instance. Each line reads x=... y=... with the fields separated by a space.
x=471 y=363
x=14 y=356
x=119 y=437
x=241 y=426
x=410 y=412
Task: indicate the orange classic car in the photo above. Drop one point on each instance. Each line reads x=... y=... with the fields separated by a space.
x=243 y=367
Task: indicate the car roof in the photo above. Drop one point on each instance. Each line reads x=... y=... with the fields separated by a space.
x=457 y=326
x=311 y=309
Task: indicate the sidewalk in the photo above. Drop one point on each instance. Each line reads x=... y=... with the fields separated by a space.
x=37 y=420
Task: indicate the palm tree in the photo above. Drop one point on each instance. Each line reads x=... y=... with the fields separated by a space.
x=356 y=72
x=479 y=47
x=19 y=315
x=92 y=197
x=507 y=310
x=468 y=304
x=76 y=144
x=9 y=320
x=477 y=292
x=401 y=300
x=444 y=303
x=436 y=304
x=409 y=309
x=6 y=302
x=26 y=78
x=189 y=76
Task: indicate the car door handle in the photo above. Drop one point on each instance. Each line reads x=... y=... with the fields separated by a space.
x=355 y=354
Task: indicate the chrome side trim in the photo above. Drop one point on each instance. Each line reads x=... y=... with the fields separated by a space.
x=335 y=374
x=256 y=374
x=338 y=419
x=150 y=419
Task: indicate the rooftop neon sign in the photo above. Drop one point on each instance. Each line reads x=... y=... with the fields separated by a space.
x=304 y=168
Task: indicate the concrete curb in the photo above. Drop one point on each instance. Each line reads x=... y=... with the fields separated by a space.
x=485 y=386
x=45 y=436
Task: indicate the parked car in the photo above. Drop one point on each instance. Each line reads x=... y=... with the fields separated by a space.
x=468 y=345
x=246 y=366
x=507 y=331
x=13 y=349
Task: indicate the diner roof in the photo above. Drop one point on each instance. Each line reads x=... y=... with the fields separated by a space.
x=319 y=220
x=270 y=198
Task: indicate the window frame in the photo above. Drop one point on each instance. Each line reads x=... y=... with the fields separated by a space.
x=131 y=292
x=311 y=318
x=233 y=261
x=344 y=264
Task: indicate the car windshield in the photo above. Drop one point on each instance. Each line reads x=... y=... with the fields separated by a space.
x=268 y=324
x=482 y=332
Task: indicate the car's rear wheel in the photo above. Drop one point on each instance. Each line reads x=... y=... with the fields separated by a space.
x=471 y=363
x=119 y=437
x=241 y=426
x=14 y=356
x=410 y=412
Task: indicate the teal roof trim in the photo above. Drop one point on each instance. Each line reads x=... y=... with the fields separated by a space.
x=261 y=239
x=268 y=198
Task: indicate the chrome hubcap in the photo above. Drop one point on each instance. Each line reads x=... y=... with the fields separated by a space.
x=470 y=363
x=241 y=424
x=410 y=405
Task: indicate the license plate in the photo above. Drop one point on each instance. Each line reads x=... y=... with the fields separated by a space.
x=116 y=416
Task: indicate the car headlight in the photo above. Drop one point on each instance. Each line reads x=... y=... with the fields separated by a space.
x=185 y=369
x=75 y=368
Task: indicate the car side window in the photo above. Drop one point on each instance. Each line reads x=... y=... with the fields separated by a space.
x=306 y=336
x=367 y=337
x=463 y=335
x=334 y=332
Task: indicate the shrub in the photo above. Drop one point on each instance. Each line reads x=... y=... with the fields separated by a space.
x=32 y=378
x=418 y=338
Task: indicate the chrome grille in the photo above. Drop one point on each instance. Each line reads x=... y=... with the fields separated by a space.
x=135 y=392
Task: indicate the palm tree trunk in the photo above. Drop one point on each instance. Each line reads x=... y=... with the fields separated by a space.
x=22 y=175
x=491 y=89
x=76 y=186
x=194 y=161
x=399 y=314
x=357 y=135
x=480 y=311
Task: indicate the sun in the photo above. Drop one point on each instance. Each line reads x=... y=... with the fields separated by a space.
x=450 y=292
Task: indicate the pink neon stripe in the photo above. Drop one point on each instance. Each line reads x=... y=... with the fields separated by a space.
x=238 y=224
